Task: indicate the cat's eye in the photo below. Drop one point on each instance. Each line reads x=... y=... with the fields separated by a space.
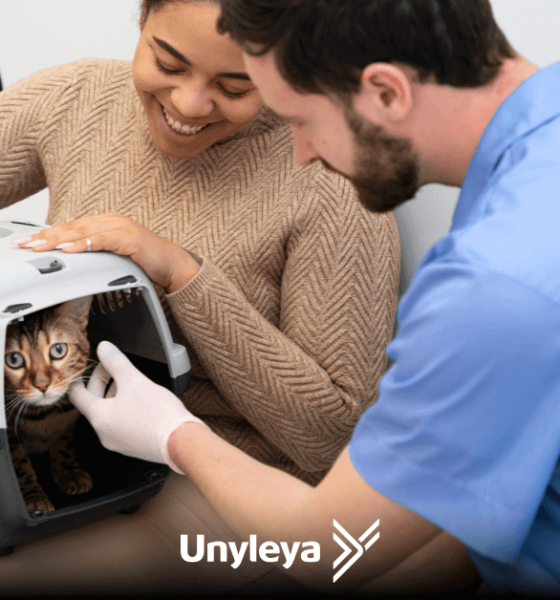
x=58 y=351
x=14 y=360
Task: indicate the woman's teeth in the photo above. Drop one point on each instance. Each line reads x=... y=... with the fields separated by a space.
x=184 y=129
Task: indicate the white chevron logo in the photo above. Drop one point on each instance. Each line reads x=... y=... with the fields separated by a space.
x=358 y=547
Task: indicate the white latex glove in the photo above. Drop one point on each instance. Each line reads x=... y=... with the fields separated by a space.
x=142 y=415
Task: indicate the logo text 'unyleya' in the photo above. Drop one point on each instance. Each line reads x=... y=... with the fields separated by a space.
x=271 y=552
x=267 y=551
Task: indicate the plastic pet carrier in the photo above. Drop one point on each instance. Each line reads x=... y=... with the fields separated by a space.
x=126 y=311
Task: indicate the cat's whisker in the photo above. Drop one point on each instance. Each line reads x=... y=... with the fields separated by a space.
x=88 y=369
x=13 y=399
x=59 y=407
x=14 y=407
x=21 y=410
x=11 y=396
x=74 y=379
x=80 y=374
x=92 y=364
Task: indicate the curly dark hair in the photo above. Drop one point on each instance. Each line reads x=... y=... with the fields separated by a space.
x=323 y=45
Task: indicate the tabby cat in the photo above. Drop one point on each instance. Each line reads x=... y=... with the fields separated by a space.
x=45 y=353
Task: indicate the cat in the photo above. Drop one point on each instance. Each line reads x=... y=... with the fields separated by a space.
x=44 y=354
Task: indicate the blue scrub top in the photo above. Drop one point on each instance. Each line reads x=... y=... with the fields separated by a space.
x=466 y=429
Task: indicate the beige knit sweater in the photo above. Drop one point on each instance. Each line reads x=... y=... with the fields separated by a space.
x=286 y=323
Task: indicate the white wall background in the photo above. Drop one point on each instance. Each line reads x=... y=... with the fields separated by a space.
x=36 y=34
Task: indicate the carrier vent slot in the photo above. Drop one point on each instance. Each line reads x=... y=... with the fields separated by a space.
x=123 y=280
x=110 y=302
x=25 y=223
x=14 y=308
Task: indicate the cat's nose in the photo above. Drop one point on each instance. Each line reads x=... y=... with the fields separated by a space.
x=42 y=383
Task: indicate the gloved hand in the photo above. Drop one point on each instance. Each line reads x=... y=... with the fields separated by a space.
x=142 y=415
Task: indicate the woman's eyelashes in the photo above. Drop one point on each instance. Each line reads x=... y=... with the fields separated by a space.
x=221 y=87
x=165 y=69
x=232 y=95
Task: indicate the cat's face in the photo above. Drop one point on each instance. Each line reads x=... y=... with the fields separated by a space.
x=46 y=352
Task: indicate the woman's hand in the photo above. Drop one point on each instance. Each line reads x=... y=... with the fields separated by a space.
x=165 y=263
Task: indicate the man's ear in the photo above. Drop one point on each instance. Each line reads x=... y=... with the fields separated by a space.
x=385 y=95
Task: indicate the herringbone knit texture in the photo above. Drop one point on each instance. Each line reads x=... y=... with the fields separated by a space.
x=287 y=322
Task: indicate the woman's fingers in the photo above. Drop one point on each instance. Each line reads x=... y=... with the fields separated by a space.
x=114 y=240
x=73 y=235
x=165 y=263
x=48 y=239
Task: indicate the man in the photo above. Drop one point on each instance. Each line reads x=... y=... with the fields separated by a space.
x=464 y=437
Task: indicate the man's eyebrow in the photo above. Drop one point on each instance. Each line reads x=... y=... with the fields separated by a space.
x=168 y=48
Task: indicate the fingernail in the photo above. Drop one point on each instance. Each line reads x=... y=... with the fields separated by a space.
x=21 y=239
x=64 y=245
x=108 y=349
x=36 y=243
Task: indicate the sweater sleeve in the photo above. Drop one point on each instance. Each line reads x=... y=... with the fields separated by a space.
x=304 y=384
x=26 y=115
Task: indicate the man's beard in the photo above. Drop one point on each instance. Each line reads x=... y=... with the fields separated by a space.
x=385 y=169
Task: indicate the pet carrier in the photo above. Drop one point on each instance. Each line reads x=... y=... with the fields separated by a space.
x=126 y=311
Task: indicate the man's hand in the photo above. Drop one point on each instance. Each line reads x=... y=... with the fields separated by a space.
x=142 y=415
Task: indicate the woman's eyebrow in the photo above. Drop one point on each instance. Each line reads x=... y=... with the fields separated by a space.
x=168 y=48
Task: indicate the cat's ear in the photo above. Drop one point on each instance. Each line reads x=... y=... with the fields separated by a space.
x=77 y=310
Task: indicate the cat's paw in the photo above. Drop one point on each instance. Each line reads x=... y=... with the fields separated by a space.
x=44 y=504
x=75 y=482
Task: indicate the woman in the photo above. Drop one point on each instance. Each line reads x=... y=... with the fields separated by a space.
x=282 y=287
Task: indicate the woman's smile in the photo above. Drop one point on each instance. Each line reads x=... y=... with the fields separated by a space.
x=183 y=129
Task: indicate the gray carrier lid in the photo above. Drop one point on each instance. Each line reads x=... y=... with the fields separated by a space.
x=127 y=311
